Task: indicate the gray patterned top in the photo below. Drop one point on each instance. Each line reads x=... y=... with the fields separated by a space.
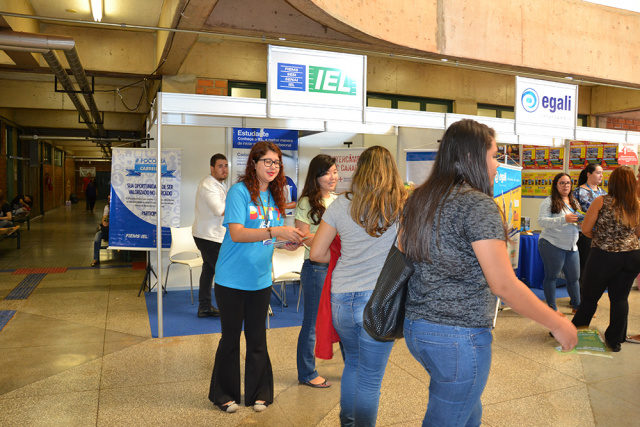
x=452 y=290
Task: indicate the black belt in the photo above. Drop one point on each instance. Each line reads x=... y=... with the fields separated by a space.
x=319 y=264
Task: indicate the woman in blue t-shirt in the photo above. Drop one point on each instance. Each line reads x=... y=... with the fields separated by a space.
x=253 y=217
x=452 y=230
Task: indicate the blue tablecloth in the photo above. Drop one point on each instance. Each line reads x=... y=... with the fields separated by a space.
x=530 y=268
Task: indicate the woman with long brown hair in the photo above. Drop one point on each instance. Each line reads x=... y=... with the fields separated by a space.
x=558 y=248
x=253 y=217
x=613 y=224
x=316 y=197
x=453 y=232
x=366 y=218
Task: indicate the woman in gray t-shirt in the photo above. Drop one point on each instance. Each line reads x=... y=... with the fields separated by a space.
x=366 y=218
x=452 y=230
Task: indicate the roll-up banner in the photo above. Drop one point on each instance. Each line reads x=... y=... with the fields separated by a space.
x=546 y=109
x=507 y=193
x=133 y=216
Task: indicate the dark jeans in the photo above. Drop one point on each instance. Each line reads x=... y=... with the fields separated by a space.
x=235 y=307
x=615 y=272
x=312 y=280
x=210 y=251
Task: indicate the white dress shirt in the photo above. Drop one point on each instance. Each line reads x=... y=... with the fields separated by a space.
x=209 y=212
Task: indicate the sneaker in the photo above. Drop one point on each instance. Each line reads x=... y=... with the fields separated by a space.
x=229 y=408
x=260 y=405
x=209 y=312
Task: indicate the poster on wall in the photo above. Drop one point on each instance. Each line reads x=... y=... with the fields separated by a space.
x=419 y=165
x=346 y=162
x=542 y=157
x=537 y=184
x=286 y=140
x=628 y=154
x=581 y=153
x=507 y=190
x=133 y=215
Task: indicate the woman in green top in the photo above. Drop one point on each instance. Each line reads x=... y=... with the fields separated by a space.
x=317 y=195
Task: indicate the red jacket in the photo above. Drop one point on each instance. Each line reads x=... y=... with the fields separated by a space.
x=326 y=334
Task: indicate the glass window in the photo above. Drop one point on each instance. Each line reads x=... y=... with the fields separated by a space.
x=247 y=90
x=408 y=105
x=413 y=103
x=57 y=159
x=46 y=154
x=379 y=103
x=498 y=111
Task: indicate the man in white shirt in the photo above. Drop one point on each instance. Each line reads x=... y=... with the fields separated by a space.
x=208 y=230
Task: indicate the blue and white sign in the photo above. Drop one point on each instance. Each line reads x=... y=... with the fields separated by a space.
x=246 y=137
x=133 y=215
x=544 y=108
x=313 y=84
x=419 y=165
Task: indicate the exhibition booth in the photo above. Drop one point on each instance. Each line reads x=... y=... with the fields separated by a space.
x=321 y=97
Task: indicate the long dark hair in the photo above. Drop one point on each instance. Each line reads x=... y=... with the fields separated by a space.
x=461 y=159
x=318 y=167
x=622 y=188
x=377 y=193
x=250 y=178
x=590 y=168
x=557 y=204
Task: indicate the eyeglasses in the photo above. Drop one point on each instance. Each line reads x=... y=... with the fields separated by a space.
x=268 y=162
x=564 y=183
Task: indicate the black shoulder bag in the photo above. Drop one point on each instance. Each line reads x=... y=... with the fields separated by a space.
x=383 y=316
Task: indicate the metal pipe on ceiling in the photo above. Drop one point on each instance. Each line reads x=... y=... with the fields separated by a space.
x=80 y=138
x=45 y=45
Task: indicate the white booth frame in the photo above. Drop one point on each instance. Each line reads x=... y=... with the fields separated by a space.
x=222 y=111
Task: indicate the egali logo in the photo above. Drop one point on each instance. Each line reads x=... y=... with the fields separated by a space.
x=530 y=100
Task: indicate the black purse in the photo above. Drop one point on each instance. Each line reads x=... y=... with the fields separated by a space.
x=383 y=316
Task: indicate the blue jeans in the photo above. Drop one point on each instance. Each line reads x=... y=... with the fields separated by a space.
x=458 y=360
x=312 y=280
x=554 y=260
x=97 y=243
x=364 y=364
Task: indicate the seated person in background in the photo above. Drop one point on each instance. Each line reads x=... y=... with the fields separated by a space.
x=101 y=234
x=21 y=204
x=6 y=217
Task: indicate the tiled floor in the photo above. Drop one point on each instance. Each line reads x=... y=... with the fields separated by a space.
x=79 y=352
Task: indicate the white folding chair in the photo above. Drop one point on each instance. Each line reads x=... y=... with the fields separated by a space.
x=184 y=251
x=286 y=269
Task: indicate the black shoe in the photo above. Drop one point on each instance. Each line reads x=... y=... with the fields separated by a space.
x=210 y=312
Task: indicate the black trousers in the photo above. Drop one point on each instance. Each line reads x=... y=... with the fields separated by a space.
x=613 y=271
x=235 y=307
x=584 y=246
x=210 y=251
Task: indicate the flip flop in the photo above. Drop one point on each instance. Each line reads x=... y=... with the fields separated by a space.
x=634 y=339
x=325 y=384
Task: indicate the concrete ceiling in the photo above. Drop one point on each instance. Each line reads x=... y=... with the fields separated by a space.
x=127 y=55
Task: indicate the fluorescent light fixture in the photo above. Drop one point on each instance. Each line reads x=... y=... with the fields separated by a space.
x=96 y=9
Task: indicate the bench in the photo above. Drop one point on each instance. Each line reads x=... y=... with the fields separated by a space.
x=14 y=235
x=21 y=218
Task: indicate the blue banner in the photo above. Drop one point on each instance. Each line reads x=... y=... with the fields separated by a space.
x=284 y=139
x=133 y=210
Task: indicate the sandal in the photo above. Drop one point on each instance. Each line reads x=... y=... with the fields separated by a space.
x=324 y=384
x=634 y=339
x=260 y=405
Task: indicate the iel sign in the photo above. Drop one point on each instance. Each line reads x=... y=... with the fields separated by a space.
x=312 y=84
x=545 y=108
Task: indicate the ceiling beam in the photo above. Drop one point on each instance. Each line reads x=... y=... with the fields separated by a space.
x=177 y=46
